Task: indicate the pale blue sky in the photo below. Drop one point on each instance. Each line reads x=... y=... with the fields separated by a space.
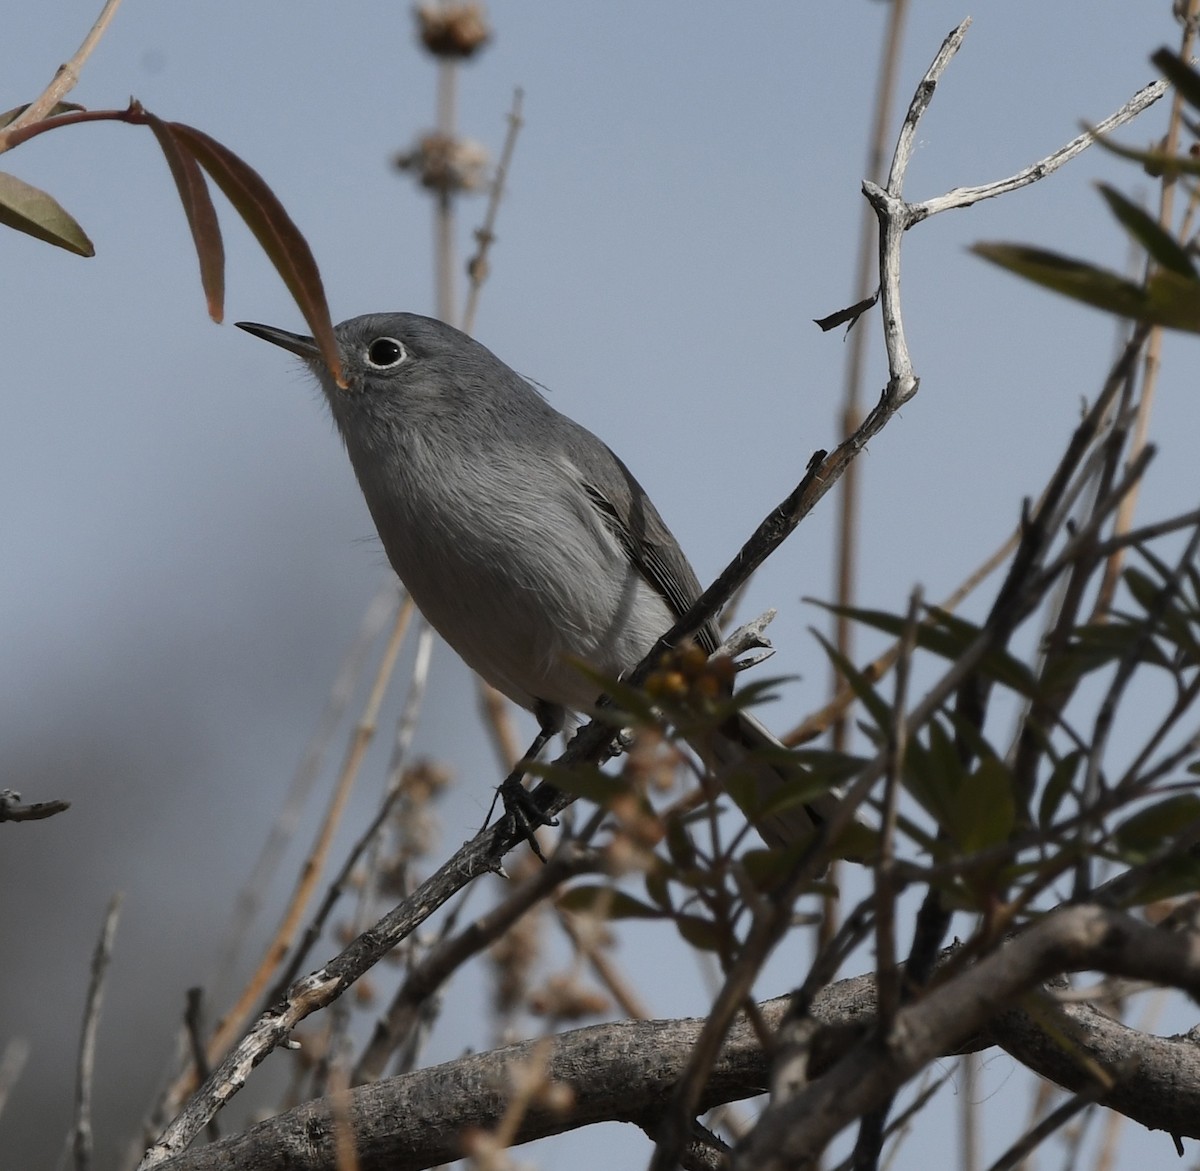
x=186 y=557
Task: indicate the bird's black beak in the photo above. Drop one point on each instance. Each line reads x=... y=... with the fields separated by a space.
x=295 y=343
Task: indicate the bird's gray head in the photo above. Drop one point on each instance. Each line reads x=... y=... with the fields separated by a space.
x=416 y=374
x=400 y=356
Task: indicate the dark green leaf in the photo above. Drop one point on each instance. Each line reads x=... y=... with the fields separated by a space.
x=984 y=808
x=1180 y=74
x=1144 y=588
x=30 y=210
x=1095 y=646
x=997 y=663
x=680 y=847
x=802 y=791
x=580 y=780
x=837 y=767
x=1057 y=787
x=658 y=887
x=1156 y=162
x=1160 y=244
x=766 y=869
x=856 y=843
x=948 y=636
x=1170 y=877
x=933 y=773
x=607 y=901
x=880 y=710
x=1145 y=832
x=629 y=706
x=701 y=933
x=1167 y=299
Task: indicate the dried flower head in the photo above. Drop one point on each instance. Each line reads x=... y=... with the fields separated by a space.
x=447 y=164
x=452 y=30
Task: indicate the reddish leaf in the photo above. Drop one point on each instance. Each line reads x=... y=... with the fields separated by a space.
x=201 y=215
x=264 y=215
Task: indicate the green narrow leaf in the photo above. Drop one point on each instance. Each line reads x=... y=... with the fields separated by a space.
x=1169 y=878
x=279 y=237
x=30 y=210
x=1155 y=162
x=878 y=708
x=1167 y=299
x=606 y=900
x=984 y=808
x=933 y=774
x=1160 y=244
x=201 y=215
x=1181 y=75
x=1057 y=787
x=1005 y=668
x=658 y=888
x=1144 y=833
x=700 y=933
x=580 y=780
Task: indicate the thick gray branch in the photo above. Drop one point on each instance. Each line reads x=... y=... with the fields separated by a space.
x=626 y=1070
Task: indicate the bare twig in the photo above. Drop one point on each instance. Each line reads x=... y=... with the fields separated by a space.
x=193 y=1023
x=1036 y=1135
x=82 y=1130
x=65 y=78
x=485 y=234
x=405 y=730
x=449 y=955
x=846 y=541
x=868 y=251
x=11 y=808
x=966 y=196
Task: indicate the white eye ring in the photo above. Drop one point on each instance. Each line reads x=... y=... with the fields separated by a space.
x=386 y=353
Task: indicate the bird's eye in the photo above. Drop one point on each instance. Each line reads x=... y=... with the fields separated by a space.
x=386 y=353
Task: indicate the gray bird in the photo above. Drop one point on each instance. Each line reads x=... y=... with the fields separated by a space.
x=526 y=543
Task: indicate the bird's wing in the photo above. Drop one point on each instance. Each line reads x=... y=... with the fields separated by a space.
x=633 y=520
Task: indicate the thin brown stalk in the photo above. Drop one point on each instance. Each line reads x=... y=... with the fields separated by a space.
x=485 y=234
x=66 y=77
x=444 y=270
x=81 y=1142
x=310 y=871
x=847 y=524
x=1152 y=361
x=380 y=610
x=886 y=887
x=605 y=970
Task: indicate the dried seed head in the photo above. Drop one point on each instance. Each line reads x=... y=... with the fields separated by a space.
x=452 y=30
x=444 y=163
